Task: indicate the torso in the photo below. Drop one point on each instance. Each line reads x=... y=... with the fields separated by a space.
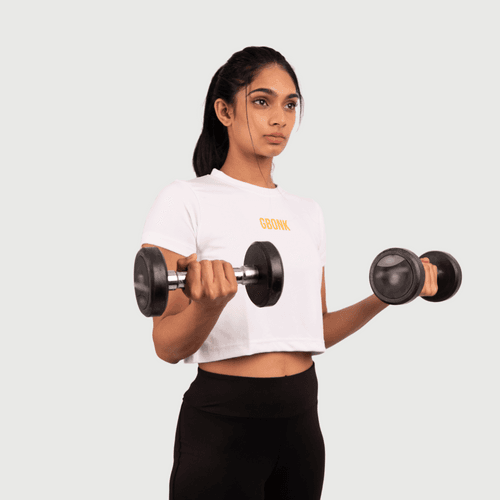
x=268 y=364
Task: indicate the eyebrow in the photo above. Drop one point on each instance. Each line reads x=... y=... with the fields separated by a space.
x=273 y=93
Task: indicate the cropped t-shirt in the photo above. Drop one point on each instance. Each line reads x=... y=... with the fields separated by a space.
x=218 y=218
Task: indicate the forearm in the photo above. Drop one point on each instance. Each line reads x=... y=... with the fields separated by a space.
x=179 y=335
x=340 y=324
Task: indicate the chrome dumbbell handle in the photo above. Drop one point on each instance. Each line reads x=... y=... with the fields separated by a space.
x=245 y=275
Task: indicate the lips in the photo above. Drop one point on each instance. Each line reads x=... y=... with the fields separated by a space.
x=275 y=138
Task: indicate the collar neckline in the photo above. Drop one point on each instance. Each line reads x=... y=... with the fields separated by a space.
x=226 y=179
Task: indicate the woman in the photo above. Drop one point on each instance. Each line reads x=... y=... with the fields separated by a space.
x=248 y=426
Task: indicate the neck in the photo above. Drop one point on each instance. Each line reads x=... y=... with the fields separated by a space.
x=255 y=170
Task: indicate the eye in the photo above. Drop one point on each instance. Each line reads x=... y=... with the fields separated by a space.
x=260 y=102
x=291 y=105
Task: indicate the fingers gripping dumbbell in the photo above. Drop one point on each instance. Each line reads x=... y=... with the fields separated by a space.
x=262 y=274
x=397 y=276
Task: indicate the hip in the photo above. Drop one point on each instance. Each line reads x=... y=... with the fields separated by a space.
x=254 y=397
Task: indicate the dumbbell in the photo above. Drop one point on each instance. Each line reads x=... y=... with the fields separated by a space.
x=262 y=274
x=397 y=276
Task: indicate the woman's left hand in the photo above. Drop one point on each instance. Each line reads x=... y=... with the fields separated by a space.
x=430 y=286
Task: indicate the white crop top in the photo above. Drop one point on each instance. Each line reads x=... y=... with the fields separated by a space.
x=218 y=218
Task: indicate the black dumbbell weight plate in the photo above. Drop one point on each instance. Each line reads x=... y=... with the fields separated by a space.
x=449 y=275
x=265 y=257
x=150 y=281
x=397 y=276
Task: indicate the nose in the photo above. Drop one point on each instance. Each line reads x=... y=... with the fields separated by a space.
x=278 y=117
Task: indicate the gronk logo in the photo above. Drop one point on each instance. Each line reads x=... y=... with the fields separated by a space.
x=277 y=224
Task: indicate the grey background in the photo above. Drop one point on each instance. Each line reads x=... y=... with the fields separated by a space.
x=101 y=106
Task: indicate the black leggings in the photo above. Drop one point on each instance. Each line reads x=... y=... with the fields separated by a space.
x=249 y=439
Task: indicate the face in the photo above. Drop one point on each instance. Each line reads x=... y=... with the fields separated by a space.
x=270 y=103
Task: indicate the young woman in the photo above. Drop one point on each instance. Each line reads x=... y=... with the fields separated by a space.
x=248 y=426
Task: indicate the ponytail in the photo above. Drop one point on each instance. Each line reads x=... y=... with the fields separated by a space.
x=212 y=146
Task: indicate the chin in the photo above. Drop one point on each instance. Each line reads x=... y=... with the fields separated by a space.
x=275 y=151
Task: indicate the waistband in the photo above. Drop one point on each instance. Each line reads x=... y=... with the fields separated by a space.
x=277 y=397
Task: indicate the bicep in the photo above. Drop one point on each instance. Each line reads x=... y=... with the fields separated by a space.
x=177 y=301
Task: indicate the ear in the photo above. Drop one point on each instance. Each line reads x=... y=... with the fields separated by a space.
x=224 y=112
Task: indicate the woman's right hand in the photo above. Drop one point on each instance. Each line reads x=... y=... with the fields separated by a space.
x=211 y=284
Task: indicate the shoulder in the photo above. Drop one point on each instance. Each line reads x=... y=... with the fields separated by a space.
x=190 y=187
x=184 y=189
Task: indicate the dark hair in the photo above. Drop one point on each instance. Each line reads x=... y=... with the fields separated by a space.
x=239 y=71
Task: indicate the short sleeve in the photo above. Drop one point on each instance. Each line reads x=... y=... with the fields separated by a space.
x=321 y=236
x=172 y=222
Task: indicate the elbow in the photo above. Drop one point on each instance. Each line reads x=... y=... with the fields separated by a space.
x=172 y=361
x=164 y=352
x=170 y=347
x=166 y=356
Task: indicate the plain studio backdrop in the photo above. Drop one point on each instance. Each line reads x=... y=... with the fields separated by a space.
x=101 y=106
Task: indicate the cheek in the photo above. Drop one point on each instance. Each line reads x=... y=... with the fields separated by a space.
x=253 y=114
x=253 y=125
x=243 y=136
